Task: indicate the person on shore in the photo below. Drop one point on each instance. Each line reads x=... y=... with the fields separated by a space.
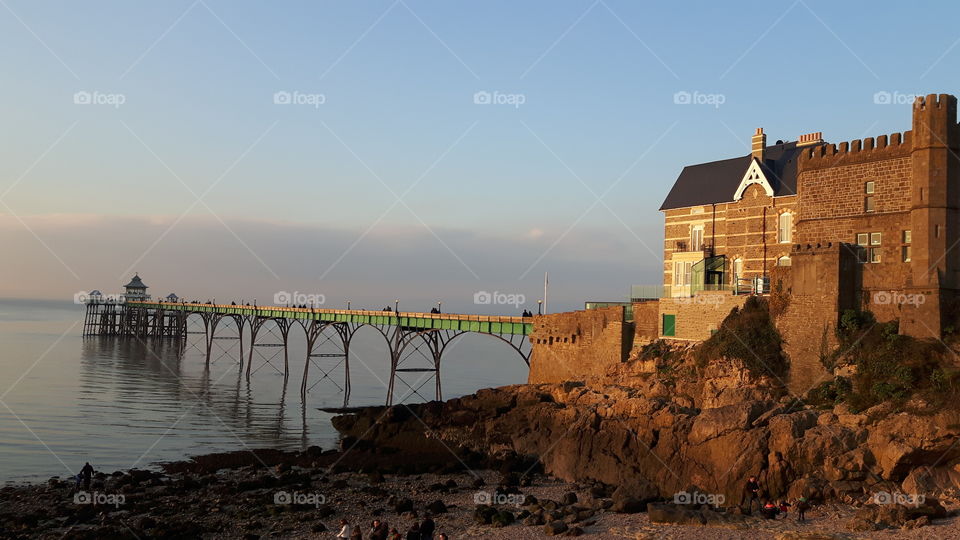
x=414 y=532
x=395 y=534
x=802 y=506
x=427 y=526
x=378 y=530
x=356 y=534
x=443 y=536
x=769 y=510
x=784 y=507
x=86 y=473
x=345 y=529
x=751 y=492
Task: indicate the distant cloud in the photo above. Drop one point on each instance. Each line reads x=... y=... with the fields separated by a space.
x=200 y=258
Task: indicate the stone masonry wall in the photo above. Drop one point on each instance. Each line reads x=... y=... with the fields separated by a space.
x=646 y=321
x=574 y=345
x=697 y=317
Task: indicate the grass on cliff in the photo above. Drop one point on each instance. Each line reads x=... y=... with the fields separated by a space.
x=886 y=367
x=749 y=335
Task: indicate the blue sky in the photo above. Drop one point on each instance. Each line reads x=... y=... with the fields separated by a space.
x=491 y=195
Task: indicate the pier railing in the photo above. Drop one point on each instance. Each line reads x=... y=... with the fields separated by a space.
x=446 y=321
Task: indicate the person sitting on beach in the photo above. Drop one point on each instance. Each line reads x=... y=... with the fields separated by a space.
x=443 y=536
x=414 y=532
x=802 y=506
x=395 y=534
x=345 y=529
x=770 y=510
x=378 y=530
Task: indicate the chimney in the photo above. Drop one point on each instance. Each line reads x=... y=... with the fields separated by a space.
x=810 y=138
x=757 y=143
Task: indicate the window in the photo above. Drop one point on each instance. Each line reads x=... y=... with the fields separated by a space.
x=783 y=261
x=696 y=238
x=868 y=202
x=869 y=244
x=737 y=270
x=905 y=250
x=681 y=273
x=868 y=188
x=784 y=234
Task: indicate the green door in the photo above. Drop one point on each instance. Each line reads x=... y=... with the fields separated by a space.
x=669 y=324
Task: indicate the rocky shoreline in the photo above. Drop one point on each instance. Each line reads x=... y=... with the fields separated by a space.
x=273 y=494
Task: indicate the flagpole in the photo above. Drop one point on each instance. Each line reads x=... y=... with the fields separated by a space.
x=545 y=282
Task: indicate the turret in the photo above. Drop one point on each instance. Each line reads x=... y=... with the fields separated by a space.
x=935 y=191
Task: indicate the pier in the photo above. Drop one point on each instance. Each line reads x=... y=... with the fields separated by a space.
x=415 y=341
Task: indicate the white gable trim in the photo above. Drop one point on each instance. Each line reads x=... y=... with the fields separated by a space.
x=754 y=175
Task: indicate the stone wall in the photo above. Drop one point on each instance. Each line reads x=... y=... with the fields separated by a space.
x=646 y=321
x=697 y=317
x=821 y=284
x=575 y=345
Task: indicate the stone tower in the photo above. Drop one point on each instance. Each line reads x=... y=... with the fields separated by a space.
x=935 y=228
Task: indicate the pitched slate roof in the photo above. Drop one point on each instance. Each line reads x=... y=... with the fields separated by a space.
x=135 y=283
x=716 y=182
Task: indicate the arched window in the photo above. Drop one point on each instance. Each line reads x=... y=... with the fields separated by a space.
x=783 y=261
x=736 y=270
x=785 y=228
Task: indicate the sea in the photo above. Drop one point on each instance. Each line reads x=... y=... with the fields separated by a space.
x=120 y=403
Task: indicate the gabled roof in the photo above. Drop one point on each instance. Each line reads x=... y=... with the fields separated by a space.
x=135 y=283
x=717 y=181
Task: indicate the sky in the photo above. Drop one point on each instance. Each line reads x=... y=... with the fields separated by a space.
x=410 y=150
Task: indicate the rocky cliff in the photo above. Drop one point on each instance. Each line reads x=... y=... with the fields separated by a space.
x=668 y=426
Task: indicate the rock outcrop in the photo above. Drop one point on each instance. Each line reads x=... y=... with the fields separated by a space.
x=672 y=431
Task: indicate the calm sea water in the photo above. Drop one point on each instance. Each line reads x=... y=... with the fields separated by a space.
x=65 y=399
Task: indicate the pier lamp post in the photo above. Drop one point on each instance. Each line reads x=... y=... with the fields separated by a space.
x=438 y=306
x=539 y=306
x=396 y=306
x=348 y=305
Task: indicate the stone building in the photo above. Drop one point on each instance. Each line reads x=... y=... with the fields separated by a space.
x=868 y=224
